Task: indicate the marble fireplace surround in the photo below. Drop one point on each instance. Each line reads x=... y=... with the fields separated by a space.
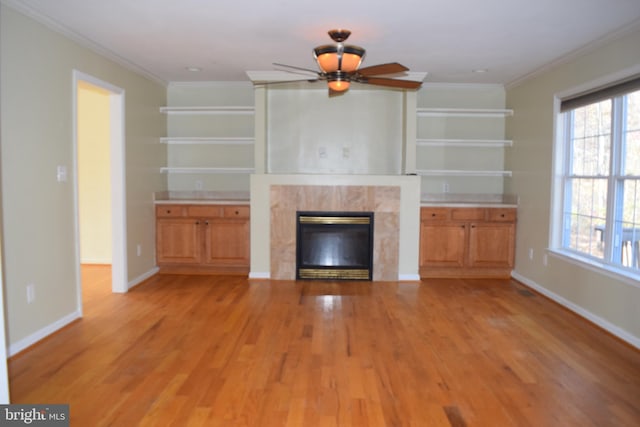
x=275 y=199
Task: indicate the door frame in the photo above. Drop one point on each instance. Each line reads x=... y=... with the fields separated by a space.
x=119 y=275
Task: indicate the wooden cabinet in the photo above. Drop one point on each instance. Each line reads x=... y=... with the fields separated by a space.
x=202 y=238
x=467 y=242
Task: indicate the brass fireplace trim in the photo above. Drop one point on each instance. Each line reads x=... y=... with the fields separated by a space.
x=334 y=219
x=333 y=273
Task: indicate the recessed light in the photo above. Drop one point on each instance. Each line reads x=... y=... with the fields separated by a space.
x=193 y=69
x=480 y=70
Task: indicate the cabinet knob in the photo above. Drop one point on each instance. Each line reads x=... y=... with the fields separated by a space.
x=197 y=222
x=433 y=214
x=168 y=211
x=502 y=215
x=237 y=212
x=206 y=223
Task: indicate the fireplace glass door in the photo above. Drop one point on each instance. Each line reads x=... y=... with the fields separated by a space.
x=334 y=245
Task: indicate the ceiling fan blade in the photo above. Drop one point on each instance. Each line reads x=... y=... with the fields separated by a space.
x=297 y=68
x=382 y=81
x=376 y=70
x=279 y=82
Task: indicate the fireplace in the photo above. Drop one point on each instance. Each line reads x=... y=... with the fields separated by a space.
x=334 y=245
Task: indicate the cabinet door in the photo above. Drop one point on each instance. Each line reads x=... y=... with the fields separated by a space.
x=178 y=241
x=442 y=245
x=491 y=245
x=227 y=242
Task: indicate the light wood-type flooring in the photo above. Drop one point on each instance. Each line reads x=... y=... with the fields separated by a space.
x=226 y=351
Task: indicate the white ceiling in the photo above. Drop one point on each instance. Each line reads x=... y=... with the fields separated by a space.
x=446 y=38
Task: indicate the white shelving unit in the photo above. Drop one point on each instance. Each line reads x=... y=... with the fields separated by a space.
x=207 y=140
x=487 y=143
x=464 y=112
x=200 y=170
x=451 y=172
x=210 y=136
x=208 y=110
x=459 y=143
x=212 y=140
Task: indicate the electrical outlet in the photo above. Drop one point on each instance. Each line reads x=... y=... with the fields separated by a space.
x=346 y=152
x=445 y=187
x=531 y=253
x=545 y=260
x=198 y=184
x=322 y=152
x=139 y=249
x=31 y=293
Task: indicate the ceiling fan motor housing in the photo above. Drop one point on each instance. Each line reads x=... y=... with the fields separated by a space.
x=339 y=35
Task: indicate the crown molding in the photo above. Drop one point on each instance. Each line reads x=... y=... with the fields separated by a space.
x=79 y=39
x=210 y=84
x=577 y=53
x=451 y=85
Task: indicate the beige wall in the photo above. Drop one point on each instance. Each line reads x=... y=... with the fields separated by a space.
x=94 y=186
x=608 y=300
x=4 y=375
x=38 y=217
x=361 y=132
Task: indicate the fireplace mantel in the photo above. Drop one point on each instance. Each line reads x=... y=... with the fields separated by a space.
x=395 y=200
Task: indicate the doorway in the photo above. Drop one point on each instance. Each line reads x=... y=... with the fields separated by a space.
x=99 y=179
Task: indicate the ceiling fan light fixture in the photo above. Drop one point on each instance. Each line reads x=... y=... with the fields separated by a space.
x=351 y=58
x=339 y=65
x=327 y=58
x=338 y=85
x=338 y=57
x=338 y=81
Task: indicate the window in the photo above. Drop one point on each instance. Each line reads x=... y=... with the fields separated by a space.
x=600 y=177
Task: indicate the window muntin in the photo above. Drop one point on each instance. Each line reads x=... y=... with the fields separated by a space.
x=601 y=181
x=631 y=132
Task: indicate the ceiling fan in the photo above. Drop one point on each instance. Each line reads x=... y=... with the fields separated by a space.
x=339 y=66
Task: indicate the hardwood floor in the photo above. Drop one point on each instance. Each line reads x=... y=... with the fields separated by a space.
x=226 y=351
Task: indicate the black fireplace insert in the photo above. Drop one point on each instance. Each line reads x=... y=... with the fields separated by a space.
x=334 y=245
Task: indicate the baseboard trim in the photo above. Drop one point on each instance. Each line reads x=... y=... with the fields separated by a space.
x=593 y=318
x=408 y=277
x=32 y=339
x=142 y=277
x=259 y=275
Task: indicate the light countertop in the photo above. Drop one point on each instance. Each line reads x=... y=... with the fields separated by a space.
x=202 y=197
x=426 y=199
x=469 y=200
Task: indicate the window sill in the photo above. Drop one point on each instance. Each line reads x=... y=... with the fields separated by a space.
x=626 y=276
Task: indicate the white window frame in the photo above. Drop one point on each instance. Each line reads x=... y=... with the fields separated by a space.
x=559 y=166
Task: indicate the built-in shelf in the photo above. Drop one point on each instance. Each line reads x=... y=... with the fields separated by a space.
x=208 y=110
x=208 y=170
x=464 y=112
x=229 y=140
x=451 y=172
x=488 y=143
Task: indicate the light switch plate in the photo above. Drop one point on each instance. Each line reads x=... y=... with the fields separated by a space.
x=61 y=173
